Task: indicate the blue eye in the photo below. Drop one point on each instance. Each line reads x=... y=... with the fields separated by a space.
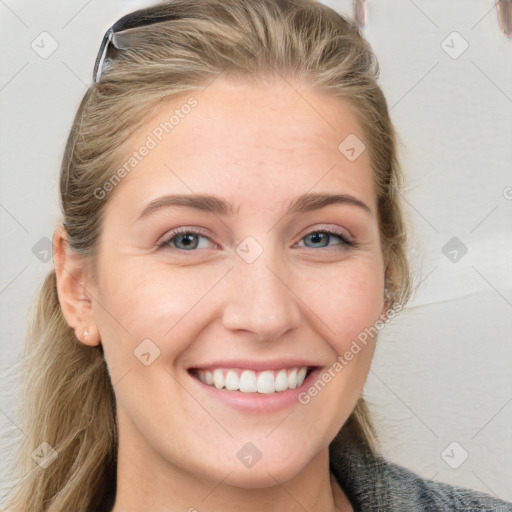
x=184 y=239
x=324 y=236
x=187 y=239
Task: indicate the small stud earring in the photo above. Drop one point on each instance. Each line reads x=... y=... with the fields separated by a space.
x=85 y=334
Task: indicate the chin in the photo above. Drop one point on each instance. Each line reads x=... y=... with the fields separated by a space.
x=261 y=476
x=268 y=468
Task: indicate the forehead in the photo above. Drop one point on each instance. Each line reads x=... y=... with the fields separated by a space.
x=248 y=142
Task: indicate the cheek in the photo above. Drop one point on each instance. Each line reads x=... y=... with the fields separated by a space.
x=141 y=302
x=347 y=300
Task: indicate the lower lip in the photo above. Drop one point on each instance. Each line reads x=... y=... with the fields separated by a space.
x=258 y=402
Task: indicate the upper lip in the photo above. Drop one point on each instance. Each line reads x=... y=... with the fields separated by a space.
x=275 y=364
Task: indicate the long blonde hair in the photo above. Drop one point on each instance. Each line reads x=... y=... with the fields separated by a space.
x=67 y=396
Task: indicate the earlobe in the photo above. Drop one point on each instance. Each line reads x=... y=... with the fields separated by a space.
x=88 y=335
x=72 y=288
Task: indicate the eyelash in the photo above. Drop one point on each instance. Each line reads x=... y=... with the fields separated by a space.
x=165 y=244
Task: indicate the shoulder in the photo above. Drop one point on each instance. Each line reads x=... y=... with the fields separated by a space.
x=373 y=483
x=409 y=491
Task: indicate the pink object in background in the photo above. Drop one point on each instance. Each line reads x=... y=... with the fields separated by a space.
x=504 y=8
x=359 y=7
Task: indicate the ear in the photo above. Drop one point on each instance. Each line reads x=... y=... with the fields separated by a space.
x=386 y=305
x=73 y=288
x=386 y=294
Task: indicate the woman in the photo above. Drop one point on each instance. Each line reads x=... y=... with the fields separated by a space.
x=231 y=243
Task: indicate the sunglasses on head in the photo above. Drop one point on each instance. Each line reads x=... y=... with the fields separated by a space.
x=123 y=34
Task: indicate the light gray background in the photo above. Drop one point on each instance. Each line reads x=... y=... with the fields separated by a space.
x=442 y=370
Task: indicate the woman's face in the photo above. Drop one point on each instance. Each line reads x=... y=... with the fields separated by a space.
x=250 y=284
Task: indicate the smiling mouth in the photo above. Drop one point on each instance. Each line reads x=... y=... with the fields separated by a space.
x=249 y=381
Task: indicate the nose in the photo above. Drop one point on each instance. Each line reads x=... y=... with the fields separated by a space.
x=261 y=299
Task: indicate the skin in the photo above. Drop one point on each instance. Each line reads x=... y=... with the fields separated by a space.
x=257 y=146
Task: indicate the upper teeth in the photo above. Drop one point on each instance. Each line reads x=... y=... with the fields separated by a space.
x=248 y=381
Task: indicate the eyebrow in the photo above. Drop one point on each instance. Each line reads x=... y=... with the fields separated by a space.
x=209 y=203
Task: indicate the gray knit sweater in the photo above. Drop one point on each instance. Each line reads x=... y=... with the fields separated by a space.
x=375 y=484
